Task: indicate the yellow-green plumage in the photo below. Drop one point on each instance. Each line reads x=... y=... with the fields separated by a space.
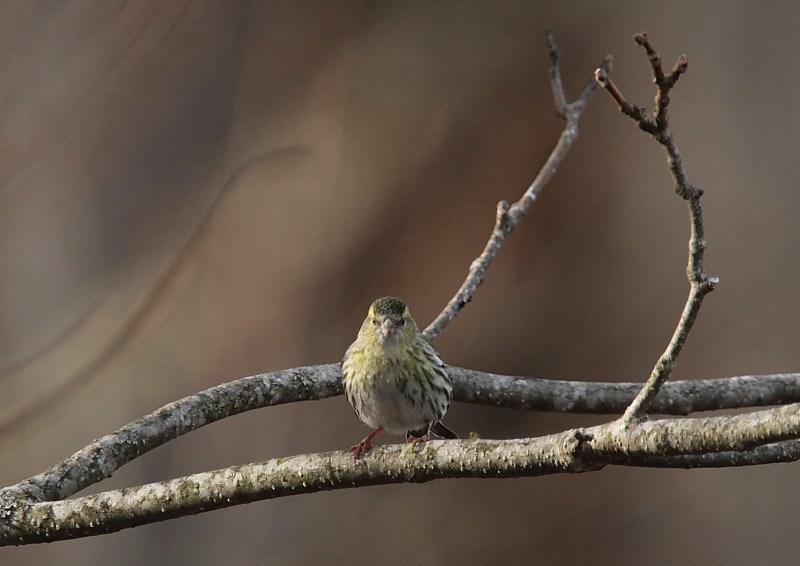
x=393 y=377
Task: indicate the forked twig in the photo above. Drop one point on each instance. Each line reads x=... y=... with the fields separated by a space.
x=507 y=217
x=40 y=509
x=700 y=283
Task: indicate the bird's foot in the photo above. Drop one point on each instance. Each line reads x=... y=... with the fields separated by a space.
x=361 y=448
x=365 y=445
x=417 y=442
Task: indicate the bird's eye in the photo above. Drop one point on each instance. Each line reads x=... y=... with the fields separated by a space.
x=375 y=321
x=401 y=322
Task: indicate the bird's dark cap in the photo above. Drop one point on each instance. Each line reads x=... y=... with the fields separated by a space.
x=389 y=306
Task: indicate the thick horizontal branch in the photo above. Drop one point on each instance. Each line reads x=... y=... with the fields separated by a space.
x=599 y=398
x=778 y=453
x=103 y=457
x=572 y=451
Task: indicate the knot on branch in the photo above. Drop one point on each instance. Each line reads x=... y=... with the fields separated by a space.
x=688 y=192
x=707 y=284
x=584 y=456
x=502 y=218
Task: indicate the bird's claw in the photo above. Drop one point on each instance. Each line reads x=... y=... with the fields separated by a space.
x=417 y=442
x=359 y=450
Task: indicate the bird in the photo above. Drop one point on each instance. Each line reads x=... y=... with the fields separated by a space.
x=394 y=378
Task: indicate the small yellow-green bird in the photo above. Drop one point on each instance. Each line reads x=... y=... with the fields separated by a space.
x=394 y=379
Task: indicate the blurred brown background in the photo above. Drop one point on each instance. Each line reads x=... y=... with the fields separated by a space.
x=193 y=192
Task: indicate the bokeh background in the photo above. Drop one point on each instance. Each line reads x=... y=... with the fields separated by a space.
x=197 y=191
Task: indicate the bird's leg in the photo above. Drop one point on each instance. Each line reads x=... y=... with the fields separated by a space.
x=365 y=445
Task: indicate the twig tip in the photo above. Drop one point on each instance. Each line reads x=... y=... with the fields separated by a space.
x=608 y=63
x=680 y=67
x=601 y=76
x=552 y=48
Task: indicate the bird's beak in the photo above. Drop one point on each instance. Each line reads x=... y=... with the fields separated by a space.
x=388 y=328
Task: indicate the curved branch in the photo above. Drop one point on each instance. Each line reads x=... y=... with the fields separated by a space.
x=572 y=451
x=700 y=283
x=103 y=457
x=507 y=217
x=36 y=510
x=106 y=455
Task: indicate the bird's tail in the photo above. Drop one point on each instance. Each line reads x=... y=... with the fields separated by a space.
x=442 y=431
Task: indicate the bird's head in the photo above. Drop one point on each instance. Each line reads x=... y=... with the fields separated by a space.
x=389 y=321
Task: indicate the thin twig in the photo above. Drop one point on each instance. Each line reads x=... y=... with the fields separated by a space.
x=507 y=217
x=36 y=510
x=700 y=283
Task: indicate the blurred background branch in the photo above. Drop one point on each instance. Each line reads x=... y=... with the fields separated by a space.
x=122 y=122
